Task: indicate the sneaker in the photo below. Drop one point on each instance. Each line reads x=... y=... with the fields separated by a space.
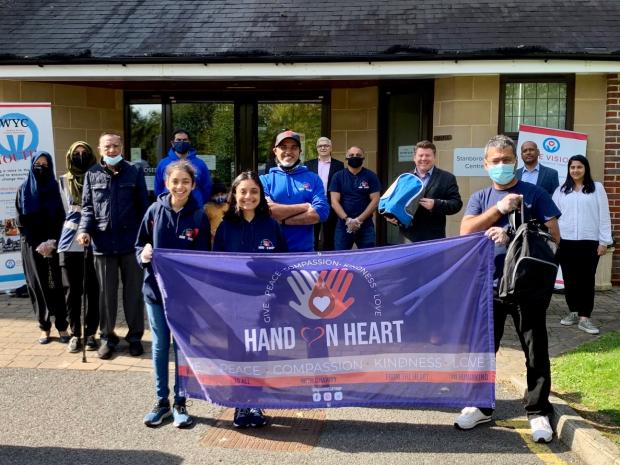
x=571 y=319
x=105 y=351
x=257 y=418
x=74 y=345
x=161 y=411
x=64 y=337
x=471 y=417
x=541 y=429
x=135 y=348
x=241 y=418
x=181 y=417
x=91 y=343
x=587 y=326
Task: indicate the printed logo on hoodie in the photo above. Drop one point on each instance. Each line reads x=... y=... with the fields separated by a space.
x=266 y=244
x=189 y=234
x=306 y=187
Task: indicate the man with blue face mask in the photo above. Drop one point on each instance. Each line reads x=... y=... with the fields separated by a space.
x=181 y=149
x=114 y=200
x=488 y=211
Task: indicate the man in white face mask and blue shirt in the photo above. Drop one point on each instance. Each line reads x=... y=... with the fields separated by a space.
x=114 y=200
x=487 y=210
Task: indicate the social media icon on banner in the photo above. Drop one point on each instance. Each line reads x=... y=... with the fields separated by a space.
x=316 y=397
x=327 y=396
x=338 y=395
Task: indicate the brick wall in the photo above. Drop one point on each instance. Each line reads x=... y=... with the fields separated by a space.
x=78 y=112
x=612 y=165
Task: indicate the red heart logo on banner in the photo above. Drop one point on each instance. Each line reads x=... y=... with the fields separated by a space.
x=311 y=335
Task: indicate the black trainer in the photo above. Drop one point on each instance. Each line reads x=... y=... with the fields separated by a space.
x=135 y=348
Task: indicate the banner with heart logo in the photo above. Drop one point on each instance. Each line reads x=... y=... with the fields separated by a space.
x=408 y=325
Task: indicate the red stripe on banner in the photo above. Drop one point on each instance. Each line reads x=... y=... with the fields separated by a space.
x=468 y=377
x=553 y=132
x=26 y=105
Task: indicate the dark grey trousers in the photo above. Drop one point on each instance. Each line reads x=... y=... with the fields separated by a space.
x=107 y=268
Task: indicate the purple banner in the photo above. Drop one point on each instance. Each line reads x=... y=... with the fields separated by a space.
x=408 y=325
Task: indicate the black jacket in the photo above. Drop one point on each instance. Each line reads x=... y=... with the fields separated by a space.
x=428 y=225
x=112 y=207
x=334 y=167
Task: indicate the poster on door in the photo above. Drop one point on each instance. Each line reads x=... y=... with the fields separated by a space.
x=556 y=146
x=24 y=129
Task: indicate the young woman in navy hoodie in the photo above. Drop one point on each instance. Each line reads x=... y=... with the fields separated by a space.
x=248 y=227
x=174 y=221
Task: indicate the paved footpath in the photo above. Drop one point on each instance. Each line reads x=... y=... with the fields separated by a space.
x=57 y=412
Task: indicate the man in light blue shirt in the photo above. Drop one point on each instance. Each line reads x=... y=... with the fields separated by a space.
x=535 y=173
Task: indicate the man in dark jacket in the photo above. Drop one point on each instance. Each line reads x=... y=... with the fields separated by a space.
x=533 y=172
x=325 y=166
x=441 y=197
x=114 y=201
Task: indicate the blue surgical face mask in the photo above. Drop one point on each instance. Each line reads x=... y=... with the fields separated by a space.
x=502 y=173
x=111 y=161
x=182 y=146
x=219 y=199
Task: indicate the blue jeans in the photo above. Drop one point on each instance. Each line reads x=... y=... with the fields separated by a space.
x=161 y=348
x=364 y=237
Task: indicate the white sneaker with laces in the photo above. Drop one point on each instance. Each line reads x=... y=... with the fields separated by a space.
x=571 y=319
x=471 y=417
x=587 y=326
x=541 y=429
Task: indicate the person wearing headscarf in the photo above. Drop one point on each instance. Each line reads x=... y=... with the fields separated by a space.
x=40 y=216
x=76 y=262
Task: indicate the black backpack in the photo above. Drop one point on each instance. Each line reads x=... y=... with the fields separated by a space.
x=530 y=267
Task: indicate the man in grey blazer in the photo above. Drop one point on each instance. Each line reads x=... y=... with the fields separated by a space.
x=535 y=173
x=325 y=166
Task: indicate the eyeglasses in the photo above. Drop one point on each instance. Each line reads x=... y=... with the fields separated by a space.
x=323 y=146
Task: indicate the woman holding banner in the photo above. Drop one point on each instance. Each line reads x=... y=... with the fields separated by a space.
x=248 y=227
x=76 y=262
x=585 y=228
x=40 y=217
x=174 y=221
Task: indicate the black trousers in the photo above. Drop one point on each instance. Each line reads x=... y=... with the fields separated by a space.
x=74 y=271
x=324 y=232
x=530 y=320
x=44 y=288
x=107 y=268
x=579 y=260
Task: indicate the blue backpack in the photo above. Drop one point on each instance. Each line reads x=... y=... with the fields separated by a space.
x=401 y=200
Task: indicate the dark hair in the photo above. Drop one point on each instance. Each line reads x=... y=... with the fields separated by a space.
x=588 y=182
x=262 y=208
x=425 y=144
x=182 y=165
x=181 y=131
x=218 y=187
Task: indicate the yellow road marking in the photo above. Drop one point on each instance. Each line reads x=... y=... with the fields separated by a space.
x=542 y=451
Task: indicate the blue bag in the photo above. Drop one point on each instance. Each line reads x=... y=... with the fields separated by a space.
x=401 y=200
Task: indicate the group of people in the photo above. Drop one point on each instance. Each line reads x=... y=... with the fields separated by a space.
x=284 y=210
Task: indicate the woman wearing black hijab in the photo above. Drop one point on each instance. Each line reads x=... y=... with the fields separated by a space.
x=40 y=216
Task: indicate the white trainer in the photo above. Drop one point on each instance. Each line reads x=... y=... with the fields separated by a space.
x=587 y=326
x=471 y=417
x=541 y=429
x=571 y=319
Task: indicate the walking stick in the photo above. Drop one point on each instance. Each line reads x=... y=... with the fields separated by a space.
x=84 y=304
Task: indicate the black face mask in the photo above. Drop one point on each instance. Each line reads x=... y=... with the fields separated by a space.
x=81 y=162
x=355 y=162
x=41 y=172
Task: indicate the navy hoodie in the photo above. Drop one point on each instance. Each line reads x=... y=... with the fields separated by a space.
x=261 y=235
x=163 y=228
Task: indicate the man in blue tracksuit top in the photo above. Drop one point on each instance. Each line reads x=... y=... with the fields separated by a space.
x=295 y=194
x=181 y=149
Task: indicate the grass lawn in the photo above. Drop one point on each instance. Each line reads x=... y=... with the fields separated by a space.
x=588 y=378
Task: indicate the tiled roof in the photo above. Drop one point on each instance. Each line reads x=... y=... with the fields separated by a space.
x=66 y=31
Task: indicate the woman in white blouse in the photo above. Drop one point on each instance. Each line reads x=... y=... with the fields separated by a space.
x=585 y=229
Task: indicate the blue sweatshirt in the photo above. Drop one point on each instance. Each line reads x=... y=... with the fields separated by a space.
x=163 y=228
x=202 y=192
x=261 y=235
x=297 y=186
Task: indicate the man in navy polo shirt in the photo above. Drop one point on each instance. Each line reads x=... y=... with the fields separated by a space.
x=354 y=194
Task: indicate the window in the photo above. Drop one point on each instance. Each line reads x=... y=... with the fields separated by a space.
x=544 y=101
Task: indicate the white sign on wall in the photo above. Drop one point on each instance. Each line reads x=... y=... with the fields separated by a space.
x=405 y=153
x=556 y=146
x=25 y=128
x=469 y=162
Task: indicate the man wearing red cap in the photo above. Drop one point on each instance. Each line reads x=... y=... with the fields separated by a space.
x=295 y=195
